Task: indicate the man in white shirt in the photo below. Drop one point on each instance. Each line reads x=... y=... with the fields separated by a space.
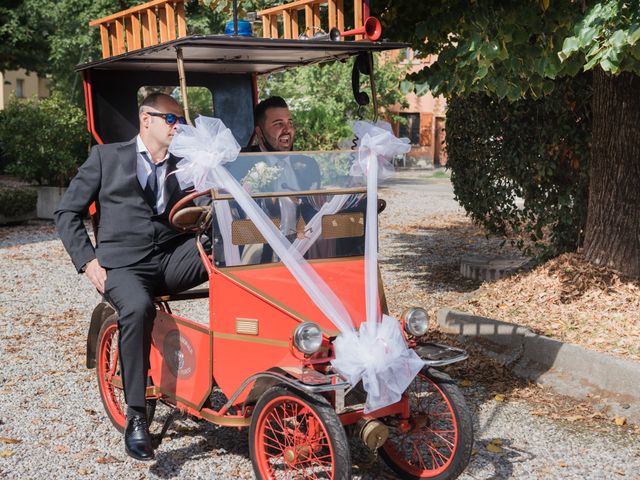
x=138 y=255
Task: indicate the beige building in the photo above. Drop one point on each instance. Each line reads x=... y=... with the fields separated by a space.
x=425 y=117
x=20 y=84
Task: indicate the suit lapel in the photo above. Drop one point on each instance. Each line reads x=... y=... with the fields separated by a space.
x=128 y=153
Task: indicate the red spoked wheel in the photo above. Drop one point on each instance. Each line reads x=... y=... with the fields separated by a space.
x=436 y=440
x=109 y=377
x=297 y=436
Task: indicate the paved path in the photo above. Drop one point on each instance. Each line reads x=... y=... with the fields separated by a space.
x=49 y=401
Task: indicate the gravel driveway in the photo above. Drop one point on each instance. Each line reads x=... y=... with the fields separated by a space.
x=49 y=401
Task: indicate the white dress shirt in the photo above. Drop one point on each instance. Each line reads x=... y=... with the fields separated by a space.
x=143 y=170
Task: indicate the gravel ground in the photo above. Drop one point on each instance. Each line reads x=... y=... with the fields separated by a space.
x=49 y=401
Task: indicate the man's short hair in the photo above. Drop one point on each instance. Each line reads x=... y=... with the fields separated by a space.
x=259 y=113
x=153 y=100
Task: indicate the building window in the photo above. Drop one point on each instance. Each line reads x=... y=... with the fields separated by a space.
x=406 y=55
x=20 y=88
x=411 y=127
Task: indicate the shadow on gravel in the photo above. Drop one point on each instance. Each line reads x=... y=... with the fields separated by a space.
x=205 y=439
x=34 y=231
x=431 y=257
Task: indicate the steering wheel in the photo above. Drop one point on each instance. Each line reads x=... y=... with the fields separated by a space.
x=187 y=217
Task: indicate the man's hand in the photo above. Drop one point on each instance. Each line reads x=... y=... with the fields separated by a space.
x=96 y=274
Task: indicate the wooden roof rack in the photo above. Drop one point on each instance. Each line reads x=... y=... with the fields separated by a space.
x=284 y=21
x=142 y=26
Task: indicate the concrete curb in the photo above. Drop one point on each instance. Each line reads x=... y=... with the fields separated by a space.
x=612 y=383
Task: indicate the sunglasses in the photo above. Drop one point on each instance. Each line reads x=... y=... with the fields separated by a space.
x=170 y=118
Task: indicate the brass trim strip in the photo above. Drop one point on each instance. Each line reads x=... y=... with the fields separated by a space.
x=174 y=398
x=241 y=338
x=269 y=298
x=302 y=193
x=224 y=420
x=297 y=152
x=188 y=324
x=257 y=266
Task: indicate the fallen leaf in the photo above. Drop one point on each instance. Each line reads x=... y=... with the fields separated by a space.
x=107 y=459
x=620 y=421
x=575 y=418
x=9 y=440
x=496 y=441
x=499 y=398
x=83 y=471
x=563 y=465
x=6 y=453
x=494 y=448
x=465 y=383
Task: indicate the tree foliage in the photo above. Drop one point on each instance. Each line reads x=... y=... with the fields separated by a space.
x=521 y=169
x=24 y=30
x=515 y=49
x=512 y=50
x=17 y=201
x=46 y=140
x=321 y=99
x=53 y=36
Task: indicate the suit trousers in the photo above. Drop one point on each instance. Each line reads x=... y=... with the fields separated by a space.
x=167 y=269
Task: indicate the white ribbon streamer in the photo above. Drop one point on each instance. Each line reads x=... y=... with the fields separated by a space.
x=377 y=354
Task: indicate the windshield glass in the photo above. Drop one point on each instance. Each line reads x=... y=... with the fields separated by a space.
x=280 y=173
x=319 y=226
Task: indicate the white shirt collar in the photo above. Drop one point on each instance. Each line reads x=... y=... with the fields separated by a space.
x=142 y=148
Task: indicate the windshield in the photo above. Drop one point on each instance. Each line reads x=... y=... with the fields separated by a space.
x=319 y=226
x=281 y=173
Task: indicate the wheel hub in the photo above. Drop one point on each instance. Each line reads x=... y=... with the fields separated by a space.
x=289 y=455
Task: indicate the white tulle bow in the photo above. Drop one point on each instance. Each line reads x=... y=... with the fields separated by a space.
x=380 y=358
x=202 y=148
x=377 y=140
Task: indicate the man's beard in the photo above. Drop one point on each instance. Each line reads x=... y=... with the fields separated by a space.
x=271 y=148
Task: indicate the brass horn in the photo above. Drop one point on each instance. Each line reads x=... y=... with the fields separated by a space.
x=372 y=29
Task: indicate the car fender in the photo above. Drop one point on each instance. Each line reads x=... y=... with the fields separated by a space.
x=102 y=311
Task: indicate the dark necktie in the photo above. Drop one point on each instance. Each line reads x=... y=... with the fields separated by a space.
x=151 y=189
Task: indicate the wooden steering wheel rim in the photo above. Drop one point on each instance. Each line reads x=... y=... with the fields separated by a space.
x=182 y=203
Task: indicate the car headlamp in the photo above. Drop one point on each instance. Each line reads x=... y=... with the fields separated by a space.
x=307 y=337
x=416 y=321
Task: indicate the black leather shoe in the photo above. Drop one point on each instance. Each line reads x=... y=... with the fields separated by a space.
x=137 y=441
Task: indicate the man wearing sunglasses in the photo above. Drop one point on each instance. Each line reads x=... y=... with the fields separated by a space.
x=138 y=255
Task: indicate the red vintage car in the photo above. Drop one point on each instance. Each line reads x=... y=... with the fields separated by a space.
x=267 y=347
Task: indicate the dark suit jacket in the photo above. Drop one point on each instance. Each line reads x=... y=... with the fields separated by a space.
x=128 y=230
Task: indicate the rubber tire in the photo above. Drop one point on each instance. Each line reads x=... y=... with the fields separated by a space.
x=326 y=414
x=115 y=413
x=464 y=422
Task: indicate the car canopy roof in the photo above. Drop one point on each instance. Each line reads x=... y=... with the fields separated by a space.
x=226 y=54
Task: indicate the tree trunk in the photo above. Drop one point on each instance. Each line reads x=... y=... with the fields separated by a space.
x=612 y=235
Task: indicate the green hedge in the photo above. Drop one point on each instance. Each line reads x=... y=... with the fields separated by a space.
x=537 y=150
x=16 y=201
x=46 y=140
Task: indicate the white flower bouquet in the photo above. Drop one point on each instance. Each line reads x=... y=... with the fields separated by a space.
x=261 y=176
